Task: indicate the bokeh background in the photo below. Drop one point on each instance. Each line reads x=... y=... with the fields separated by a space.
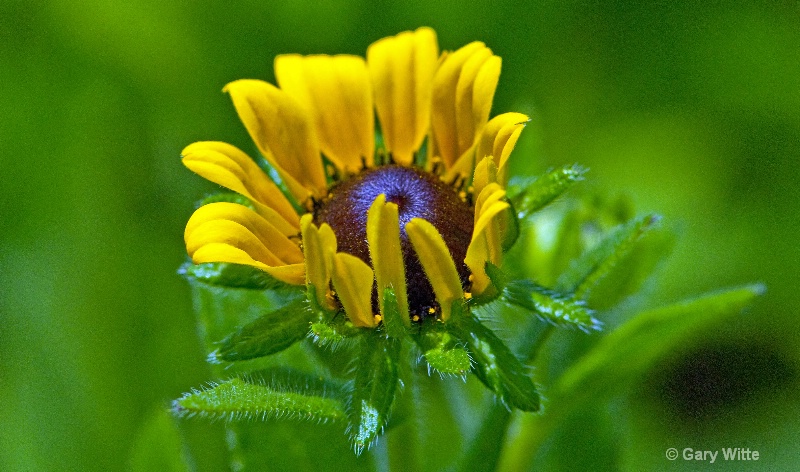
x=690 y=108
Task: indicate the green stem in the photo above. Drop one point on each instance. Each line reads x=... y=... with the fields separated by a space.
x=486 y=449
x=483 y=454
x=404 y=438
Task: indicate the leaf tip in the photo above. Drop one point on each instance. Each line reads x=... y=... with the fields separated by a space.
x=214 y=358
x=177 y=409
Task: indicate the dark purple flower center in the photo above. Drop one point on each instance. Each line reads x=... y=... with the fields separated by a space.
x=417 y=194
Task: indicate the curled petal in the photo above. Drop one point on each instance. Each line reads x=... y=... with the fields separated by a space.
x=284 y=133
x=383 y=237
x=499 y=138
x=336 y=91
x=486 y=244
x=209 y=223
x=231 y=168
x=402 y=68
x=353 y=280
x=319 y=246
x=463 y=90
x=437 y=262
x=293 y=274
x=485 y=174
x=227 y=232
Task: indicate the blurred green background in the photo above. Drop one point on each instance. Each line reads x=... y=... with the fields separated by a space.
x=690 y=108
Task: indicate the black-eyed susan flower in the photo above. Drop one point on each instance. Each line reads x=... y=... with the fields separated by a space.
x=382 y=204
x=423 y=220
x=387 y=202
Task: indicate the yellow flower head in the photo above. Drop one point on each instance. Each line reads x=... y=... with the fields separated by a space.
x=421 y=214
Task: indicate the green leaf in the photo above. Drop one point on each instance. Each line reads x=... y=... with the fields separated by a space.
x=531 y=197
x=275 y=176
x=223 y=310
x=254 y=398
x=228 y=197
x=392 y=318
x=623 y=356
x=374 y=389
x=633 y=269
x=267 y=335
x=494 y=363
x=595 y=264
x=442 y=351
x=232 y=275
x=629 y=350
x=333 y=334
x=550 y=306
x=511 y=227
x=158 y=446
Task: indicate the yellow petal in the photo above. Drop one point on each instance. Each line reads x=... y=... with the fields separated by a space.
x=219 y=252
x=231 y=168
x=465 y=122
x=491 y=193
x=353 y=280
x=221 y=213
x=486 y=244
x=477 y=84
x=383 y=237
x=402 y=68
x=233 y=234
x=463 y=89
x=336 y=90
x=499 y=138
x=283 y=131
x=319 y=246
x=485 y=174
x=437 y=262
x=483 y=88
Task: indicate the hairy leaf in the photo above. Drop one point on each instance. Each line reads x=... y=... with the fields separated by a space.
x=239 y=398
x=589 y=269
x=374 y=389
x=494 y=363
x=442 y=351
x=267 y=335
x=392 y=321
x=550 y=306
x=532 y=197
x=334 y=333
x=232 y=275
